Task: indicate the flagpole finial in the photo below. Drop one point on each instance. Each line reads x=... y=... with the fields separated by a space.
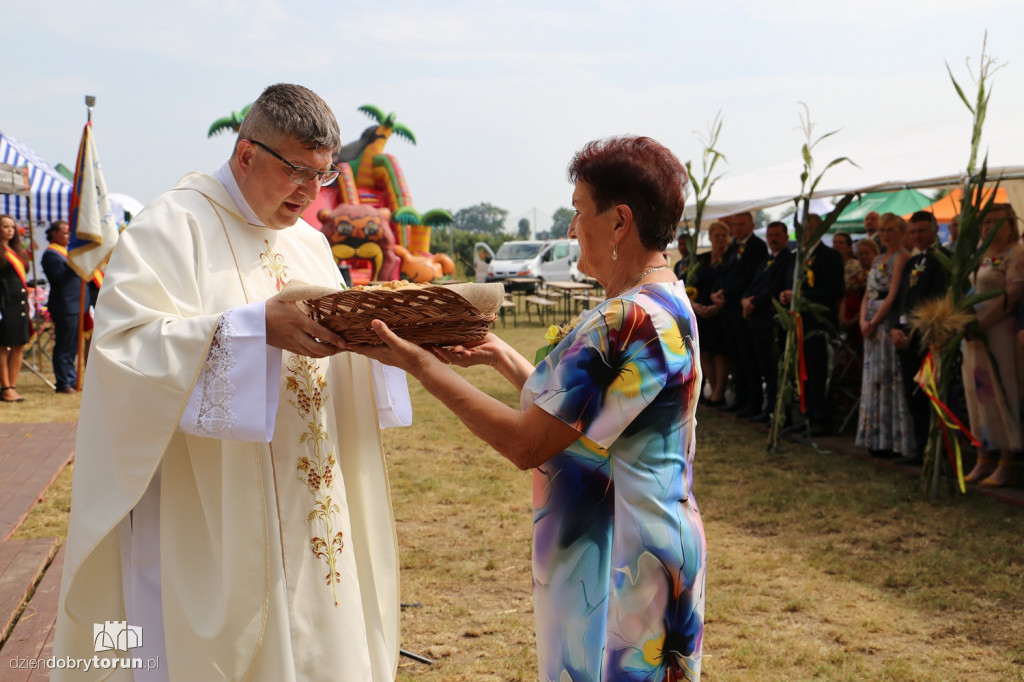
x=90 y=102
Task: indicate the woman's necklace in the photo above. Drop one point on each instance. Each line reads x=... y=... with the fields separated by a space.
x=644 y=274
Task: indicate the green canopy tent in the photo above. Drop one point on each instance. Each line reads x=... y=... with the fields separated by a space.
x=900 y=202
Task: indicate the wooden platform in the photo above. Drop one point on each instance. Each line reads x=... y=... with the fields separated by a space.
x=31 y=457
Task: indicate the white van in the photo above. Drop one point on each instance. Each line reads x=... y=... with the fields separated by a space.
x=552 y=261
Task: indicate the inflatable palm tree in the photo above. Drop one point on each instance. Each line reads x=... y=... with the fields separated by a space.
x=230 y=122
x=373 y=153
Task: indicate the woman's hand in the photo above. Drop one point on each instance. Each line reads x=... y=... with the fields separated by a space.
x=395 y=351
x=488 y=351
x=867 y=329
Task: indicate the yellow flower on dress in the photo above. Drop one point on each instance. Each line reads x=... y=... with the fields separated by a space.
x=628 y=381
x=673 y=340
x=653 y=649
x=553 y=334
x=810 y=278
x=593 y=447
x=692 y=293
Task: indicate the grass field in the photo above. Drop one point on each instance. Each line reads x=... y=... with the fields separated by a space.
x=821 y=566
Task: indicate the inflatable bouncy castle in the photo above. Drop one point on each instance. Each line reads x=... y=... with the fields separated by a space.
x=368 y=216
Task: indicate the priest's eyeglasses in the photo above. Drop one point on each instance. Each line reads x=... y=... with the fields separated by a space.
x=300 y=175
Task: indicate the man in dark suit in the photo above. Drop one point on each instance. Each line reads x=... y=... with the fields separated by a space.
x=824 y=286
x=871 y=228
x=65 y=293
x=745 y=254
x=759 y=310
x=923 y=279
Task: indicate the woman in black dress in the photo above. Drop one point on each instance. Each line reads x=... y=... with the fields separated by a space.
x=714 y=363
x=14 y=313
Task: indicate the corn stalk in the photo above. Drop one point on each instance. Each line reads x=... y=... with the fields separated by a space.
x=702 y=187
x=806 y=238
x=964 y=262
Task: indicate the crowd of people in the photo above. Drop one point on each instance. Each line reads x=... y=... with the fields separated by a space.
x=869 y=289
x=54 y=297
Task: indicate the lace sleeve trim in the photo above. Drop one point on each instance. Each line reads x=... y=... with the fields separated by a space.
x=214 y=416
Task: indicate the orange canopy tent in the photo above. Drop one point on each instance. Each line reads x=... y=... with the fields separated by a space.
x=948 y=207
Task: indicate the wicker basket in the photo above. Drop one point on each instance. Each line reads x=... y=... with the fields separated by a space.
x=434 y=315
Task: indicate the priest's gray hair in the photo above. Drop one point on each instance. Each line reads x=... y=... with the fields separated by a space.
x=292 y=111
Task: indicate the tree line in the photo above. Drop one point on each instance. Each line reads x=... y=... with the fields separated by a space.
x=486 y=218
x=485 y=222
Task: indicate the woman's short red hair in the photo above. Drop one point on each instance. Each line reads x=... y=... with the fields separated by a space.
x=640 y=173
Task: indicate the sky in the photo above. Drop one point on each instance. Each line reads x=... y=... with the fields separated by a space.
x=501 y=94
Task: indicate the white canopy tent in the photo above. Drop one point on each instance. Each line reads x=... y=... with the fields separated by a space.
x=1010 y=177
x=930 y=154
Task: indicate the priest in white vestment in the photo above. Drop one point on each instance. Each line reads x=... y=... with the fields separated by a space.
x=230 y=504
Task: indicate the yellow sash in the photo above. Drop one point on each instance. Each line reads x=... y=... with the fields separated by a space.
x=19 y=265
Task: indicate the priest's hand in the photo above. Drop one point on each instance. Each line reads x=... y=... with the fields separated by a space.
x=289 y=329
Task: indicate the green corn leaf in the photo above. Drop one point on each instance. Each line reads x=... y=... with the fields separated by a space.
x=959 y=91
x=975 y=299
x=783 y=316
x=826 y=135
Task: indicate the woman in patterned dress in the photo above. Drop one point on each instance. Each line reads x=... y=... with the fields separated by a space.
x=993 y=389
x=607 y=424
x=885 y=426
x=15 y=323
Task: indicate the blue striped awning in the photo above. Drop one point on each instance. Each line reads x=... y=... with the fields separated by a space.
x=51 y=191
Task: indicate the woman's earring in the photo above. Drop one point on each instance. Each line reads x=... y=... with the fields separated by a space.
x=615 y=252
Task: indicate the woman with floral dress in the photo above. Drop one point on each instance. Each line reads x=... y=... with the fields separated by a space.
x=606 y=422
x=885 y=427
x=993 y=389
